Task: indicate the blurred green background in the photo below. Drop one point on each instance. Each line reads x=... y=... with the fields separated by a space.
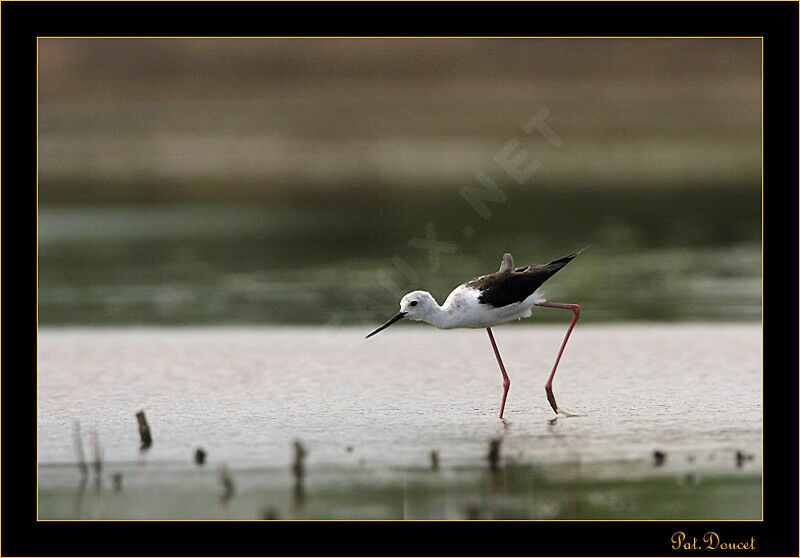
x=204 y=181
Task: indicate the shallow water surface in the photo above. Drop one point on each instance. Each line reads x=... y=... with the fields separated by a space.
x=245 y=393
x=370 y=412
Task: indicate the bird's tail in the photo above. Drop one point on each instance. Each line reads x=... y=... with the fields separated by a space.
x=561 y=262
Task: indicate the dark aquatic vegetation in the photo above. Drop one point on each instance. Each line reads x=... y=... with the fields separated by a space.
x=522 y=490
x=658 y=458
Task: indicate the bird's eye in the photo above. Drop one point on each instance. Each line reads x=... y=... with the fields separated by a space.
x=412 y=303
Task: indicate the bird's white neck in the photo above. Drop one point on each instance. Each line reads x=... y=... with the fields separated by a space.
x=437 y=317
x=440 y=316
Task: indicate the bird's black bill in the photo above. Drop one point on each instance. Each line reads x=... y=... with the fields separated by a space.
x=387 y=324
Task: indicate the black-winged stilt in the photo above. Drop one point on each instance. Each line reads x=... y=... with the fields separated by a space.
x=490 y=300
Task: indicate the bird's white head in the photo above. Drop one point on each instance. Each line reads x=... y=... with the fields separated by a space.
x=417 y=305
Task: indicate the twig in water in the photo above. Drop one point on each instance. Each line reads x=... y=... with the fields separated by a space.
x=144 y=432
x=299 y=471
x=298 y=467
x=228 y=488
x=741 y=458
x=200 y=456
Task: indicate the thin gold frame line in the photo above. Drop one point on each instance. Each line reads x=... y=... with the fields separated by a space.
x=396 y=36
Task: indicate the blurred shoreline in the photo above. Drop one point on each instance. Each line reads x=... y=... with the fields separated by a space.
x=267 y=119
x=288 y=180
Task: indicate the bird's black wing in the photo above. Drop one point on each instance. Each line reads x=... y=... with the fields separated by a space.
x=510 y=286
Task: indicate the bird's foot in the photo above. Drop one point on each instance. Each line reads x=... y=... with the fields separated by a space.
x=552 y=400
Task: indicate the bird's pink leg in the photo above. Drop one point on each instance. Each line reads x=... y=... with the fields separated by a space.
x=576 y=310
x=506 y=380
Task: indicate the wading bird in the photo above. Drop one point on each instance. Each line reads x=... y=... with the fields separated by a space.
x=490 y=300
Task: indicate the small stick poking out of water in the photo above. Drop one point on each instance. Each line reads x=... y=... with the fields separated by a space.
x=494 y=453
x=144 y=432
x=658 y=458
x=200 y=456
x=228 y=488
x=298 y=467
x=741 y=458
x=299 y=471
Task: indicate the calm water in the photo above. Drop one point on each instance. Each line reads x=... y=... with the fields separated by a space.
x=677 y=254
x=370 y=412
x=246 y=393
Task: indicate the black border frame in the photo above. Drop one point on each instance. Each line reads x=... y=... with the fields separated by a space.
x=22 y=22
